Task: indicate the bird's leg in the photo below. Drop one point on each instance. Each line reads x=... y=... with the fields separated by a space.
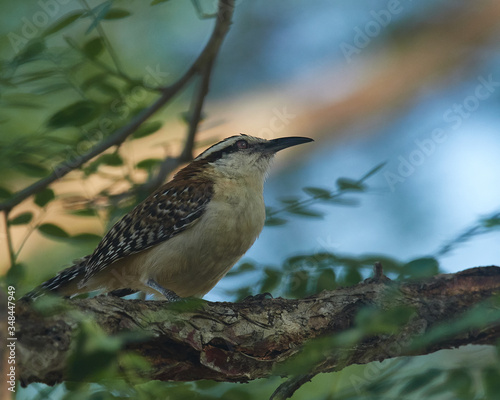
x=170 y=295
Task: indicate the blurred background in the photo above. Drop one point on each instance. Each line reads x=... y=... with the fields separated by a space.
x=414 y=85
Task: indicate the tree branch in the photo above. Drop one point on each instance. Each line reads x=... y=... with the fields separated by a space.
x=223 y=22
x=238 y=342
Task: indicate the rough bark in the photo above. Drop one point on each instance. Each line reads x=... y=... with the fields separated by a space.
x=238 y=342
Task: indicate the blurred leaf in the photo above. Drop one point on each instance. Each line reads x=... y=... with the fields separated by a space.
x=33 y=76
x=350 y=184
x=31 y=169
x=304 y=212
x=44 y=197
x=93 y=47
x=491 y=222
x=326 y=280
x=317 y=192
x=93 y=80
x=147 y=129
x=87 y=238
x=271 y=280
x=373 y=171
x=63 y=22
x=56 y=87
x=113 y=159
x=343 y=201
x=117 y=13
x=75 y=114
x=244 y=267
x=30 y=52
x=420 y=381
x=491 y=380
x=289 y=200
x=375 y=321
x=15 y=274
x=422 y=267
x=109 y=89
x=297 y=284
x=158 y=2
x=5 y=193
x=53 y=231
x=352 y=277
x=274 y=221
x=148 y=164
x=99 y=12
x=22 y=219
x=461 y=382
x=84 y=213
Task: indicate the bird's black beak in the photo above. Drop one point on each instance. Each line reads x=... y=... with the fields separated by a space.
x=285 y=142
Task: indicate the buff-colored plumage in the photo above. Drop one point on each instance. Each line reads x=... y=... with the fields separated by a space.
x=185 y=236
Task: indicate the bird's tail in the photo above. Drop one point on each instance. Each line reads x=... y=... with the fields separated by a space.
x=65 y=282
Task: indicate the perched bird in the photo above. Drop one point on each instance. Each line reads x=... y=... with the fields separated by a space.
x=187 y=235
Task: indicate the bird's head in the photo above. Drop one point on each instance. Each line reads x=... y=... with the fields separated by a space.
x=245 y=156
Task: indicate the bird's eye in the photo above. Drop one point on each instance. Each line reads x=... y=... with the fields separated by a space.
x=242 y=144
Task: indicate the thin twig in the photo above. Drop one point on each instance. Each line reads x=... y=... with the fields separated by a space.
x=289 y=387
x=10 y=246
x=171 y=163
x=223 y=22
x=107 y=43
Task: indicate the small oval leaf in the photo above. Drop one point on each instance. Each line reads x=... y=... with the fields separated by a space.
x=44 y=197
x=117 y=13
x=147 y=129
x=75 y=114
x=317 y=192
x=93 y=47
x=63 y=22
x=53 y=231
x=22 y=219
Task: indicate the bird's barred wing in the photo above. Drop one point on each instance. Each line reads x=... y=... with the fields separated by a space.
x=164 y=214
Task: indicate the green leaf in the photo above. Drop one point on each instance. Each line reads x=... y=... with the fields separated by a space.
x=297 y=284
x=31 y=169
x=30 y=52
x=90 y=238
x=304 y=212
x=491 y=380
x=76 y=114
x=117 y=13
x=317 y=192
x=148 y=164
x=63 y=22
x=422 y=267
x=113 y=159
x=99 y=13
x=491 y=222
x=53 y=231
x=245 y=267
x=352 y=277
x=44 y=197
x=15 y=274
x=22 y=219
x=350 y=184
x=93 y=47
x=326 y=280
x=373 y=171
x=154 y=2
x=5 y=193
x=271 y=280
x=84 y=213
x=420 y=381
x=274 y=221
x=147 y=129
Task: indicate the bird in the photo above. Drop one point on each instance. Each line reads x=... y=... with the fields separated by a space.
x=182 y=239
